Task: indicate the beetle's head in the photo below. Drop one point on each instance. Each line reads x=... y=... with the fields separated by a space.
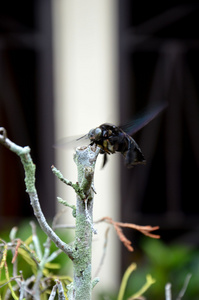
x=95 y=134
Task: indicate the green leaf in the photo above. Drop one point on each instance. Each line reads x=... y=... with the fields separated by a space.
x=28 y=259
x=50 y=265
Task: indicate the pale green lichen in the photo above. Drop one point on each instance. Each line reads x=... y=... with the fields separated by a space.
x=79 y=191
x=30 y=169
x=95 y=281
x=65 y=203
x=84 y=286
x=85 y=158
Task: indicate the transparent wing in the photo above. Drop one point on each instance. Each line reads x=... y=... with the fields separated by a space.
x=142 y=119
x=73 y=142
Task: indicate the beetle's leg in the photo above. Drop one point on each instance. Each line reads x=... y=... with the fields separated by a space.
x=105 y=159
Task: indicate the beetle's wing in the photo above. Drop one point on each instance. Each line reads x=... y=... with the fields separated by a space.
x=73 y=142
x=143 y=119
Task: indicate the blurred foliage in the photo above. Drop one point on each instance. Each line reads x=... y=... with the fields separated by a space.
x=139 y=293
x=26 y=266
x=165 y=263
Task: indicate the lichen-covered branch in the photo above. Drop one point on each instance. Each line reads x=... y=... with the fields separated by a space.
x=85 y=159
x=78 y=190
x=29 y=168
x=80 y=252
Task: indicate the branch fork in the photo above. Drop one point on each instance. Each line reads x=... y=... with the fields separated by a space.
x=80 y=252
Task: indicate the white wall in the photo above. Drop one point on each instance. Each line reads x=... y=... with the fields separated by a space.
x=85 y=65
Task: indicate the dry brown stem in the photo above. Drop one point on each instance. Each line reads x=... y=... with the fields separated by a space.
x=146 y=230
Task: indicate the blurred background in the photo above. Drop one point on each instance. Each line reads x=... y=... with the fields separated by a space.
x=67 y=66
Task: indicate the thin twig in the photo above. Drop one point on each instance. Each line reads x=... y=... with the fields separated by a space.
x=53 y=292
x=104 y=252
x=22 y=290
x=144 y=288
x=35 y=239
x=60 y=291
x=65 y=203
x=146 y=230
x=29 y=167
x=11 y=279
x=64 y=226
x=168 y=291
x=78 y=190
x=125 y=278
x=16 y=250
x=184 y=288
